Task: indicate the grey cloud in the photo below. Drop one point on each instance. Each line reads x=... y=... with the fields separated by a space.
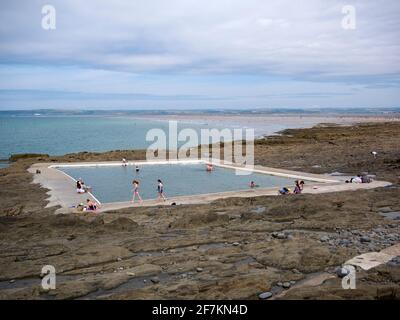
x=283 y=37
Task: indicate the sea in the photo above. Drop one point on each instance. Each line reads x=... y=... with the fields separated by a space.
x=59 y=134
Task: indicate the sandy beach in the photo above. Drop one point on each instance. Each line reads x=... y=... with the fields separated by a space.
x=270 y=124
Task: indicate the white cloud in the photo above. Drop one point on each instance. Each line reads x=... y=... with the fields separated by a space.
x=282 y=37
x=237 y=52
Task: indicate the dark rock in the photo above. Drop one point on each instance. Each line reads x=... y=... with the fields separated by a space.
x=155 y=280
x=265 y=295
x=344 y=242
x=279 y=235
x=395 y=262
x=365 y=239
x=324 y=239
x=342 y=272
x=234 y=216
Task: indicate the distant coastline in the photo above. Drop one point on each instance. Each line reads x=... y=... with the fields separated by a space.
x=393 y=111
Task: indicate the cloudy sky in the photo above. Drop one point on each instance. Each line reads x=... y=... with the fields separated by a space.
x=199 y=54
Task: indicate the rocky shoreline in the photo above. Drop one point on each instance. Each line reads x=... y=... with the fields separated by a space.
x=253 y=248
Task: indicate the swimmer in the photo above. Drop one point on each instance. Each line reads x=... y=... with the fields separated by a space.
x=253 y=185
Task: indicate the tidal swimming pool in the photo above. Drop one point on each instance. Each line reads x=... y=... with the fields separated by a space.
x=114 y=183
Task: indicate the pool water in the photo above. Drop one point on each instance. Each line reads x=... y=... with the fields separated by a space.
x=114 y=183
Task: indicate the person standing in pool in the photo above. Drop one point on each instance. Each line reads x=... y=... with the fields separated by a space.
x=160 y=190
x=135 y=191
x=137 y=169
x=253 y=185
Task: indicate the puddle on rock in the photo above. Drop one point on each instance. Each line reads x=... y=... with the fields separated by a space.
x=208 y=246
x=244 y=261
x=393 y=215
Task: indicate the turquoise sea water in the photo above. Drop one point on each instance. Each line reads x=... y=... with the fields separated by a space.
x=60 y=135
x=3 y=165
x=114 y=183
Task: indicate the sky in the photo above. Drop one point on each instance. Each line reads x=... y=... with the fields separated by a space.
x=184 y=54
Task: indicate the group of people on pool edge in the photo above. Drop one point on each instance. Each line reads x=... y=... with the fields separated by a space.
x=360 y=179
x=298 y=188
x=90 y=205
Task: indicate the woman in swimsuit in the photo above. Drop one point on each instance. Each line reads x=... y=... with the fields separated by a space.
x=160 y=190
x=136 y=191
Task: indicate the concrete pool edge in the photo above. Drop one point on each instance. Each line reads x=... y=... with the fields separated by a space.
x=62 y=194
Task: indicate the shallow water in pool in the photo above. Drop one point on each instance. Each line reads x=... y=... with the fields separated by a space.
x=114 y=183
